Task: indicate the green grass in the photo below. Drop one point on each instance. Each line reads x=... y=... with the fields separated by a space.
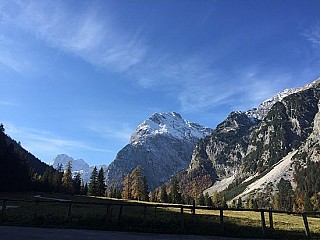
x=158 y=219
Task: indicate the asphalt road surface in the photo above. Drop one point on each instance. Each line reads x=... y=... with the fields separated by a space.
x=30 y=233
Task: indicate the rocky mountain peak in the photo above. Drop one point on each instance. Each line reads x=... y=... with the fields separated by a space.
x=162 y=145
x=168 y=123
x=77 y=165
x=262 y=110
x=255 y=155
x=234 y=121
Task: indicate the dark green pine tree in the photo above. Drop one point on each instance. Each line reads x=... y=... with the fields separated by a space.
x=77 y=184
x=239 y=204
x=163 y=195
x=93 y=184
x=46 y=179
x=285 y=195
x=208 y=200
x=201 y=200
x=307 y=203
x=175 y=195
x=85 y=189
x=145 y=194
x=57 y=179
x=14 y=170
x=101 y=188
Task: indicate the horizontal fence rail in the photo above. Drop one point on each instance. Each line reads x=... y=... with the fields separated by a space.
x=182 y=211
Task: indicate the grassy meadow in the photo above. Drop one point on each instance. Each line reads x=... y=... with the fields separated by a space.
x=107 y=214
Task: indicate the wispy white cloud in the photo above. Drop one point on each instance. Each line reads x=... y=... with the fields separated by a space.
x=199 y=85
x=47 y=143
x=116 y=131
x=313 y=34
x=8 y=103
x=12 y=56
x=195 y=79
x=83 y=33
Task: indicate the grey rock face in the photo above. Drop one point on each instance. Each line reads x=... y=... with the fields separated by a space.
x=162 y=145
x=243 y=145
x=77 y=165
x=310 y=149
x=262 y=110
x=221 y=153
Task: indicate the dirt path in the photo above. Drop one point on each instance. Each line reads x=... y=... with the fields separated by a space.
x=28 y=233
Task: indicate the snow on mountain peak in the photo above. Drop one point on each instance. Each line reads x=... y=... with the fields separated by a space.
x=77 y=165
x=169 y=123
x=262 y=110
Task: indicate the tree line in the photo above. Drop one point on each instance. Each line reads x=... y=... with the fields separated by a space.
x=16 y=174
x=59 y=180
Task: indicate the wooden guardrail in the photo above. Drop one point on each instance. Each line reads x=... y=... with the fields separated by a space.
x=192 y=208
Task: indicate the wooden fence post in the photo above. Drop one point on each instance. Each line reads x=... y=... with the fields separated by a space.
x=4 y=206
x=306 y=226
x=271 y=219
x=194 y=207
x=193 y=210
x=263 y=223
x=69 y=211
x=120 y=213
x=182 y=218
x=221 y=222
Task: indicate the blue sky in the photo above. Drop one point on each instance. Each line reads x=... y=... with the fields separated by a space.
x=77 y=77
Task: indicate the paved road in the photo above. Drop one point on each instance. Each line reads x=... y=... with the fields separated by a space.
x=28 y=233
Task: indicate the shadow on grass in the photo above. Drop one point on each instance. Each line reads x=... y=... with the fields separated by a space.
x=136 y=219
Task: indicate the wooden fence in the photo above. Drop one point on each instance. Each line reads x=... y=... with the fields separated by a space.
x=183 y=210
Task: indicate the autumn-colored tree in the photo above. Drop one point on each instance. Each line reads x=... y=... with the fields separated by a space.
x=126 y=190
x=67 y=181
x=137 y=187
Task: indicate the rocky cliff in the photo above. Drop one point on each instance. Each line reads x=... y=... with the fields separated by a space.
x=162 y=145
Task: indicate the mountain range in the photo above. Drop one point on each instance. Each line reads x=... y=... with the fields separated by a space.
x=251 y=151
x=245 y=156
x=78 y=166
